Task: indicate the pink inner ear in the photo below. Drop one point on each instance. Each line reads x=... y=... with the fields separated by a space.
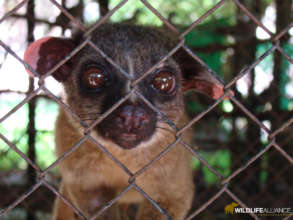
x=47 y=52
x=32 y=54
x=213 y=90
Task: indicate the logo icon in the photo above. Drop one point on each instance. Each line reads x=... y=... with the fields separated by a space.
x=229 y=209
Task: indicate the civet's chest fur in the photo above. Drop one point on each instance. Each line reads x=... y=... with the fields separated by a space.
x=133 y=133
x=85 y=165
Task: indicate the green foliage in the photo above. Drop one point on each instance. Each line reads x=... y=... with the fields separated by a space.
x=192 y=105
x=264 y=174
x=286 y=102
x=184 y=13
x=145 y=16
x=219 y=160
x=46 y=113
x=267 y=64
x=15 y=214
x=227 y=106
x=45 y=149
x=205 y=35
x=14 y=129
x=9 y=159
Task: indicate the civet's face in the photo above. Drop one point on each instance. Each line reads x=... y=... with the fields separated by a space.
x=93 y=85
x=100 y=85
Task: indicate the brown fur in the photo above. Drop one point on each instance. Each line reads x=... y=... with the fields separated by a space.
x=88 y=170
x=90 y=178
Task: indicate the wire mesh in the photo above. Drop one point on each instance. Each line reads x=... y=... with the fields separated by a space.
x=223 y=188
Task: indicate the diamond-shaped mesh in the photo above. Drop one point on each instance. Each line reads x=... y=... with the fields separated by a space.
x=244 y=151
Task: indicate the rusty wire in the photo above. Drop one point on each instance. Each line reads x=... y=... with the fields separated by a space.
x=224 y=188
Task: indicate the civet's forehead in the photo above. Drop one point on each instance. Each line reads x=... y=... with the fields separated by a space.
x=135 y=49
x=129 y=37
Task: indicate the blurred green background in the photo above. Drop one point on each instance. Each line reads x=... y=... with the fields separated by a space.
x=227 y=41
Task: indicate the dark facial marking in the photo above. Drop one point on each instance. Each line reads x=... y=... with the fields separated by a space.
x=129 y=125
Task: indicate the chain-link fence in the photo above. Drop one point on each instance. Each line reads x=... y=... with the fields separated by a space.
x=244 y=144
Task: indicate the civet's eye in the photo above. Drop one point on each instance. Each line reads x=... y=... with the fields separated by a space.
x=164 y=82
x=94 y=78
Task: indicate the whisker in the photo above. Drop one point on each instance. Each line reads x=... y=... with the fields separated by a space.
x=90 y=114
x=166 y=129
x=89 y=118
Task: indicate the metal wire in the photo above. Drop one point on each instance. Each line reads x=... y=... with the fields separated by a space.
x=223 y=188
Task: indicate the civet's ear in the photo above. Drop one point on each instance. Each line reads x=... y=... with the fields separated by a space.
x=45 y=53
x=198 y=78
